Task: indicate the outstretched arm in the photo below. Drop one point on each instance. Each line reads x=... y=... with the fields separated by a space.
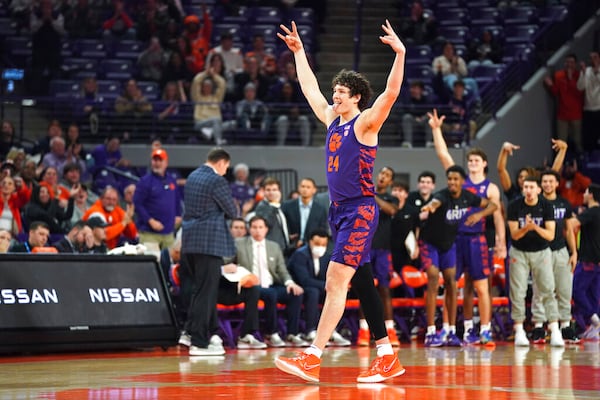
x=306 y=77
x=372 y=119
x=441 y=148
x=506 y=150
x=560 y=146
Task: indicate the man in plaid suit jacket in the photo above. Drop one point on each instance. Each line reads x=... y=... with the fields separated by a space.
x=206 y=241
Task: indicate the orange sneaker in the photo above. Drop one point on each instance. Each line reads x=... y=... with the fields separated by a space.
x=394 y=341
x=306 y=366
x=382 y=368
x=364 y=338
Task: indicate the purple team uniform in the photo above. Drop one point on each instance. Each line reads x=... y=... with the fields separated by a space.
x=472 y=250
x=353 y=214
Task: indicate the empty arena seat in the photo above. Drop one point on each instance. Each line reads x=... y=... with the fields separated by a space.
x=117 y=69
x=455 y=34
x=485 y=16
x=266 y=15
x=149 y=89
x=422 y=72
x=454 y=17
x=419 y=55
x=519 y=33
x=64 y=86
x=520 y=15
x=301 y=15
x=90 y=48
x=268 y=31
x=127 y=49
x=77 y=67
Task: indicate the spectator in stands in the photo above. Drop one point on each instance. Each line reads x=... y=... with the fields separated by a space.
x=82 y=203
x=270 y=209
x=199 y=35
x=192 y=57
x=59 y=156
x=128 y=195
x=38 y=237
x=49 y=179
x=73 y=144
x=72 y=177
x=459 y=121
x=16 y=158
x=452 y=67
x=82 y=21
x=418 y=28
x=485 y=50
x=415 y=117
x=79 y=239
x=232 y=56
x=47 y=28
x=264 y=259
x=109 y=154
x=573 y=184
x=176 y=71
x=13 y=198
x=5 y=240
x=308 y=267
x=168 y=109
x=269 y=69
x=151 y=61
x=513 y=190
x=250 y=74
x=238 y=228
x=29 y=175
x=251 y=113
x=289 y=114
x=242 y=192
x=589 y=82
x=303 y=215
x=132 y=103
x=120 y=23
x=208 y=92
x=153 y=20
x=98 y=226
x=120 y=225
x=258 y=49
x=43 y=208
x=569 y=102
x=42 y=146
x=7 y=138
x=157 y=203
x=90 y=105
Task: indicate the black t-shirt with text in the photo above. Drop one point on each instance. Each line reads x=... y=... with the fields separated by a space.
x=589 y=247
x=441 y=227
x=562 y=211
x=541 y=212
x=382 y=236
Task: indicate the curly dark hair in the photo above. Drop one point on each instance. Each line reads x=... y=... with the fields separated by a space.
x=357 y=84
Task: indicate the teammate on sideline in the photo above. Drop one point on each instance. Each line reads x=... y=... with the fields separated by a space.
x=351 y=148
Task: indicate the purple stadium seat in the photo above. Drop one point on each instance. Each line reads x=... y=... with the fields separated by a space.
x=64 y=86
x=455 y=34
x=520 y=15
x=266 y=15
x=149 y=89
x=485 y=16
x=496 y=31
x=489 y=71
x=78 y=68
x=421 y=72
x=90 y=48
x=235 y=29
x=419 y=55
x=453 y=17
x=517 y=51
x=519 y=33
x=117 y=69
x=241 y=15
x=553 y=13
x=18 y=46
x=268 y=31
x=302 y=16
x=127 y=49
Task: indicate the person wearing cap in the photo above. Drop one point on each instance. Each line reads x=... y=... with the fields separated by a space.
x=199 y=35
x=157 y=203
x=97 y=225
x=120 y=225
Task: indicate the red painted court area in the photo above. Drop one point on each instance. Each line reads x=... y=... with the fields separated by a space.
x=480 y=373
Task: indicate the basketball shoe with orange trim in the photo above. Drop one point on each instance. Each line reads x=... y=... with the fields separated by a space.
x=381 y=369
x=304 y=365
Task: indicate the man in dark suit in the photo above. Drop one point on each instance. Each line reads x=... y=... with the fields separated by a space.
x=205 y=242
x=264 y=259
x=308 y=267
x=270 y=209
x=304 y=215
x=79 y=239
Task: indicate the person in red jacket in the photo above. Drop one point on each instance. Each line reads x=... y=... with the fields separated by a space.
x=573 y=184
x=15 y=199
x=119 y=24
x=119 y=223
x=199 y=36
x=569 y=106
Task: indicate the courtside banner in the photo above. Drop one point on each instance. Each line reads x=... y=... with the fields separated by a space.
x=80 y=293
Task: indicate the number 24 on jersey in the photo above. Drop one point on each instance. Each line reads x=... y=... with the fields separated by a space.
x=333 y=164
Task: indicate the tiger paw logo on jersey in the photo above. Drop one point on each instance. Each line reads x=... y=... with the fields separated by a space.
x=335 y=141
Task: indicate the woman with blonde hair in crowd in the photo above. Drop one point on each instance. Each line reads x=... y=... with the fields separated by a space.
x=14 y=197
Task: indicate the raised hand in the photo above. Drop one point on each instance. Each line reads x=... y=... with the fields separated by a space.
x=291 y=37
x=435 y=122
x=391 y=38
x=509 y=147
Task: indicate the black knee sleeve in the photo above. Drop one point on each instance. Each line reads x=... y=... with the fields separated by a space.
x=370 y=302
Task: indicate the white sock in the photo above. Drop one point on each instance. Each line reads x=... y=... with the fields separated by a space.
x=518 y=328
x=565 y=324
x=389 y=324
x=553 y=326
x=446 y=327
x=314 y=350
x=362 y=324
x=538 y=325
x=452 y=329
x=595 y=320
x=485 y=327
x=384 y=350
x=468 y=323
x=431 y=330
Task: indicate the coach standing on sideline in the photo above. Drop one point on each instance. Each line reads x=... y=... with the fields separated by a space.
x=205 y=242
